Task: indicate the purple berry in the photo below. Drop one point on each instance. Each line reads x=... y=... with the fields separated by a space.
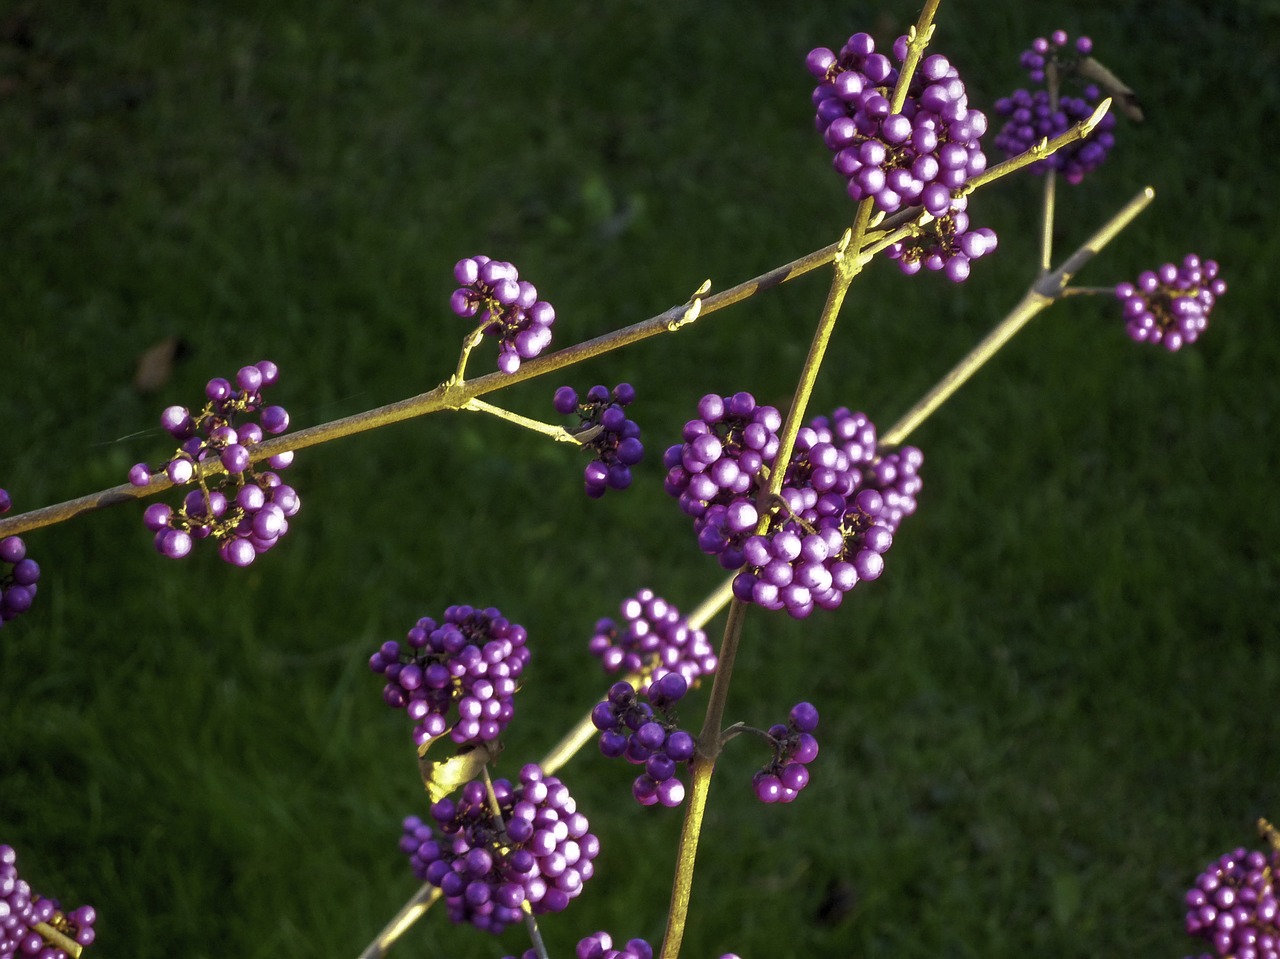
x=1171 y=306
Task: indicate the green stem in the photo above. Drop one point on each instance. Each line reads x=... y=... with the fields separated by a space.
x=701 y=768
x=470 y=343
x=1043 y=149
x=452 y=394
x=455 y=393
x=413 y=910
x=557 y=433
x=848 y=264
x=1046 y=219
x=58 y=939
x=1089 y=291
x=582 y=733
x=1045 y=291
x=1050 y=182
x=846 y=268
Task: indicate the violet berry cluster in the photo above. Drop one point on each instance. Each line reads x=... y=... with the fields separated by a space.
x=1233 y=905
x=23 y=910
x=458 y=676
x=646 y=734
x=653 y=639
x=1171 y=305
x=603 y=428
x=245 y=511
x=600 y=945
x=794 y=747
x=1032 y=116
x=539 y=851
x=944 y=244
x=507 y=306
x=713 y=472
x=918 y=155
x=19 y=574
x=841 y=500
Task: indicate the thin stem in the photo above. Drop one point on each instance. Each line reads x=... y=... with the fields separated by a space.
x=409 y=913
x=701 y=768
x=570 y=744
x=531 y=927
x=557 y=433
x=454 y=393
x=710 y=739
x=1089 y=291
x=1270 y=834
x=1040 y=151
x=57 y=939
x=583 y=732
x=470 y=343
x=917 y=39
x=848 y=264
x=1046 y=219
x=846 y=268
x=710 y=607
x=1043 y=293
x=495 y=810
x=1030 y=304
x=1050 y=181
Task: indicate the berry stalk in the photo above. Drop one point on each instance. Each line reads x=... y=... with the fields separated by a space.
x=584 y=730
x=917 y=40
x=454 y=394
x=57 y=940
x=413 y=910
x=557 y=433
x=1040 y=151
x=701 y=768
x=1050 y=181
x=1043 y=293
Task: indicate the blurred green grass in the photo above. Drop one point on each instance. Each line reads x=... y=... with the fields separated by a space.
x=1053 y=709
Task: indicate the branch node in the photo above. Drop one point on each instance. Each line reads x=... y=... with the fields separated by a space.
x=692 y=311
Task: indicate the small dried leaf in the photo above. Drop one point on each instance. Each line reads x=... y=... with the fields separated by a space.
x=444 y=777
x=1123 y=95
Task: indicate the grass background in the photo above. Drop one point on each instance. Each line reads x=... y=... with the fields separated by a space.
x=1055 y=707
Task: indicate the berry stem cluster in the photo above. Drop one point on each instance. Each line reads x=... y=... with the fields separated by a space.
x=1043 y=293
x=455 y=394
x=462 y=870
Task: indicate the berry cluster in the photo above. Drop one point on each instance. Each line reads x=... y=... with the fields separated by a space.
x=600 y=946
x=646 y=734
x=917 y=156
x=944 y=243
x=487 y=867
x=840 y=502
x=1233 y=905
x=713 y=472
x=604 y=429
x=18 y=574
x=22 y=911
x=1033 y=116
x=508 y=308
x=458 y=676
x=793 y=749
x=896 y=476
x=1171 y=305
x=654 y=640
x=246 y=512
